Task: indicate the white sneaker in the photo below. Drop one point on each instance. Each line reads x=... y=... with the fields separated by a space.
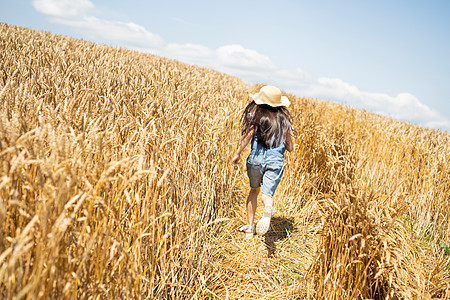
x=263 y=225
x=249 y=230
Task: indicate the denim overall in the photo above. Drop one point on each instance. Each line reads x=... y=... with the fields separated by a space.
x=265 y=166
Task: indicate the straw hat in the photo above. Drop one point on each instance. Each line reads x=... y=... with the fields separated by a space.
x=270 y=95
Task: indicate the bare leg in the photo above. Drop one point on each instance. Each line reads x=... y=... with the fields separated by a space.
x=252 y=202
x=267 y=200
x=264 y=224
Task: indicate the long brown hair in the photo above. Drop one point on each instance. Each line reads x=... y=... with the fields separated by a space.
x=268 y=121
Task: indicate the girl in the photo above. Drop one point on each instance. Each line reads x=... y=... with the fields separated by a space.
x=266 y=123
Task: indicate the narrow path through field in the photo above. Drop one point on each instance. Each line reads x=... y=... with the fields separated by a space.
x=270 y=266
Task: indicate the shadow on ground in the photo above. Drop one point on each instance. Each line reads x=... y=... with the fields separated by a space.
x=280 y=228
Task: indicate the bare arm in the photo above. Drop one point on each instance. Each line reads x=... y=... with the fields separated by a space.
x=244 y=142
x=288 y=142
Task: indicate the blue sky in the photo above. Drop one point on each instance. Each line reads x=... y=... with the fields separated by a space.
x=388 y=57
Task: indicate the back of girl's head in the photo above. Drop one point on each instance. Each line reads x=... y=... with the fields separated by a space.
x=268 y=121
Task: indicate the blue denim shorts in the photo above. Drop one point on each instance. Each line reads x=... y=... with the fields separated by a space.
x=265 y=169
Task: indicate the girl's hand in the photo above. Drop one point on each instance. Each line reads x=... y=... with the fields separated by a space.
x=235 y=159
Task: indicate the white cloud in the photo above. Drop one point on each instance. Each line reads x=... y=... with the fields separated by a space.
x=74 y=13
x=404 y=106
x=233 y=59
x=236 y=56
x=63 y=8
x=122 y=33
x=192 y=53
x=127 y=34
x=337 y=87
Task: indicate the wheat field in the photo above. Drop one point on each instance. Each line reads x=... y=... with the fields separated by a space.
x=116 y=183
